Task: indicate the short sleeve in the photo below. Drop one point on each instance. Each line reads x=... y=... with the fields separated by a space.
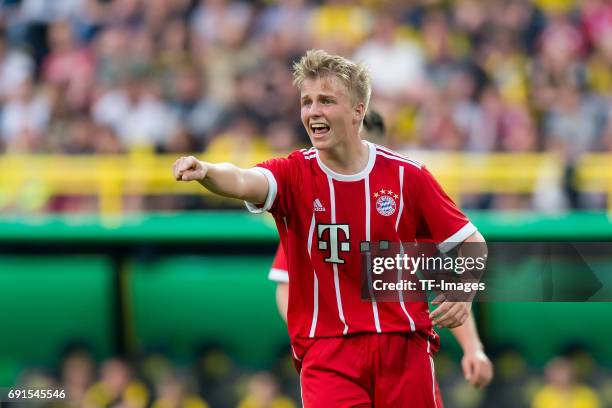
x=438 y=217
x=279 y=272
x=278 y=173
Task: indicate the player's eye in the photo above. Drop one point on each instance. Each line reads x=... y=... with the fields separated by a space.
x=306 y=102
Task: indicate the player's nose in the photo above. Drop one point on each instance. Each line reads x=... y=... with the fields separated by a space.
x=315 y=110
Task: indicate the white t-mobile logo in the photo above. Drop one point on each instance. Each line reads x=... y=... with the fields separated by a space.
x=333 y=241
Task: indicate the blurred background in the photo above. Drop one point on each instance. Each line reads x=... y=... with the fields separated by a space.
x=128 y=289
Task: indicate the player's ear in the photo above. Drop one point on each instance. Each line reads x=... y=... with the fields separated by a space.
x=359 y=112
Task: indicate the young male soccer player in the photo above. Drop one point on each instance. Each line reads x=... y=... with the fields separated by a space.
x=476 y=366
x=326 y=201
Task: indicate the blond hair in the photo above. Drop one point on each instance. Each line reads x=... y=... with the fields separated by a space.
x=318 y=64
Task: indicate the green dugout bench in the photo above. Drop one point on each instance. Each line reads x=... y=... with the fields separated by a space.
x=174 y=282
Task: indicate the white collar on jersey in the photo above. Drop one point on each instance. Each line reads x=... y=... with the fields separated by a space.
x=352 y=177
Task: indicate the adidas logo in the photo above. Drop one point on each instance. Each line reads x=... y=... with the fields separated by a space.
x=317 y=205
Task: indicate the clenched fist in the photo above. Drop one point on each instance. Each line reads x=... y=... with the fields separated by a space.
x=477 y=368
x=189 y=168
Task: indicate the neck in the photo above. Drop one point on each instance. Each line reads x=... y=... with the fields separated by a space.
x=349 y=158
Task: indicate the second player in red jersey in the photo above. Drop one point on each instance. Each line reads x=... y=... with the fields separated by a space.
x=327 y=201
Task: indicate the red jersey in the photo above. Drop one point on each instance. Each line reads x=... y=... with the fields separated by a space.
x=323 y=217
x=278 y=271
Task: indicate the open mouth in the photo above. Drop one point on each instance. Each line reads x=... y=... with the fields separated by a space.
x=319 y=128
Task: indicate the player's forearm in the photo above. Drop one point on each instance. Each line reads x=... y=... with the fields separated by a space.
x=227 y=180
x=467 y=335
x=223 y=179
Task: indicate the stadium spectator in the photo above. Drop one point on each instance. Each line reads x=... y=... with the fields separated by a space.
x=25 y=117
x=220 y=24
x=562 y=390
x=197 y=113
x=16 y=67
x=116 y=386
x=136 y=113
x=77 y=375
x=339 y=26
x=397 y=64
x=263 y=392
x=282 y=23
x=68 y=66
x=173 y=391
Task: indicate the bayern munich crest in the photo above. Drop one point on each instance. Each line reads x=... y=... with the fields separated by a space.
x=385 y=202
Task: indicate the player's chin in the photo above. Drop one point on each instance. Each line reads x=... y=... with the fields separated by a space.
x=320 y=142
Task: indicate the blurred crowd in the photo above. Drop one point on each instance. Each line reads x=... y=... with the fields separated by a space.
x=209 y=381
x=112 y=76
x=214 y=380
x=105 y=76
